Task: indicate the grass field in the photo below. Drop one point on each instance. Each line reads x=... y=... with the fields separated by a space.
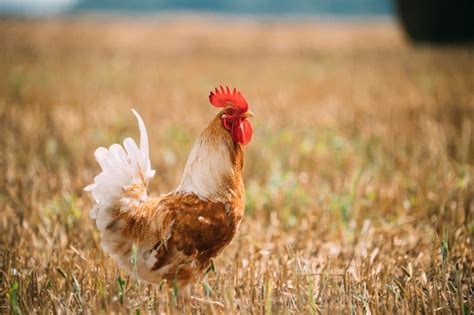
x=360 y=175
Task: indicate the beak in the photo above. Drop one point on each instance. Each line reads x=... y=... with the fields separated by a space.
x=248 y=114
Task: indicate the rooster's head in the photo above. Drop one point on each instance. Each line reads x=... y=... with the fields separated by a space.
x=235 y=113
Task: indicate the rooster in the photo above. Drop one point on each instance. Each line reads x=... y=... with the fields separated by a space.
x=174 y=237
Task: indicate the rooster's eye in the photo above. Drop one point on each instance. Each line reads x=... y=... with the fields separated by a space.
x=230 y=112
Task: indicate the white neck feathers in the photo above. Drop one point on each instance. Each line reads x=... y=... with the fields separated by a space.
x=209 y=168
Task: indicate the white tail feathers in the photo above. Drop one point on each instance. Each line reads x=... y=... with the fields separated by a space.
x=121 y=167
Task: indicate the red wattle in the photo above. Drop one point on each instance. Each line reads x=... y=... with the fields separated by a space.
x=242 y=131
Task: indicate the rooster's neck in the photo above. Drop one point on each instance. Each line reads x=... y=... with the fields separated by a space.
x=214 y=167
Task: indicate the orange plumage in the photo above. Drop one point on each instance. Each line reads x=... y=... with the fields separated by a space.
x=175 y=235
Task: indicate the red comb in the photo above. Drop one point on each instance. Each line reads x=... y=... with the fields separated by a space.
x=224 y=97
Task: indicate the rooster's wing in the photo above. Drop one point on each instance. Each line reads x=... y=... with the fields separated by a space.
x=190 y=232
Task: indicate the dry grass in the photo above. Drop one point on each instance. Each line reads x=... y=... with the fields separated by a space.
x=360 y=176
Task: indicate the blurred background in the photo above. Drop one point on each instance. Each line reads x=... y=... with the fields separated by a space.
x=424 y=20
x=359 y=177
x=240 y=6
